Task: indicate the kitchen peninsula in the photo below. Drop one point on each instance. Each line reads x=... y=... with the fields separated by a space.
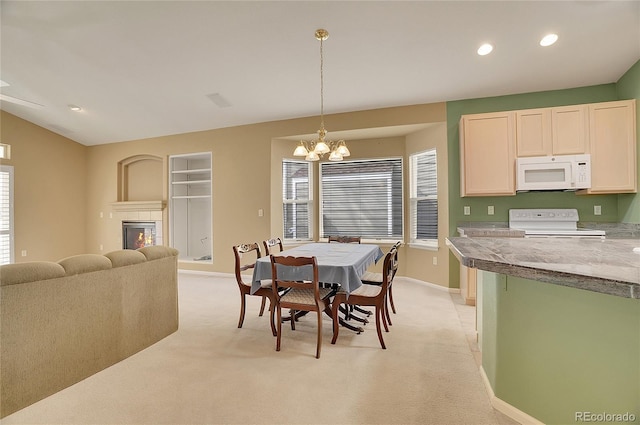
x=558 y=324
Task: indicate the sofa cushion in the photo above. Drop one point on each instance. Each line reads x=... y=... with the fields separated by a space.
x=158 y=251
x=125 y=257
x=85 y=263
x=12 y=274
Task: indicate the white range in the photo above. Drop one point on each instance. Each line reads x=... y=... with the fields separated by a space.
x=555 y=222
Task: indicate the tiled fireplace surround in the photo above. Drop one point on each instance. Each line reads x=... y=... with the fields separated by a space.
x=143 y=211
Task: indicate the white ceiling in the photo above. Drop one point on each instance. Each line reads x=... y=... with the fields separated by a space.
x=143 y=69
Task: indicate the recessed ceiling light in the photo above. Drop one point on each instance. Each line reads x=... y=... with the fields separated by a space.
x=485 y=49
x=75 y=108
x=548 y=40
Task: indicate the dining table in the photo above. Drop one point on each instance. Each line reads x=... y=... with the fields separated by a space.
x=339 y=264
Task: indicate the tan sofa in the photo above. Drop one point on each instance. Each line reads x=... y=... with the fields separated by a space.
x=62 y=322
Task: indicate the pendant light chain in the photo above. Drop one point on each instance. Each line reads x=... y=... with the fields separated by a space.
x=321 y=86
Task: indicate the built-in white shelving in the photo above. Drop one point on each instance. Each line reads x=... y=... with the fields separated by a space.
x=190 y=206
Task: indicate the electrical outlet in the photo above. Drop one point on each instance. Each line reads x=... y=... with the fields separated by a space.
x=24 y=252
x=101 y=247
x=260 y=212
x=467 y=210
x=490 y=210
x=597 y=210
x=435 y=261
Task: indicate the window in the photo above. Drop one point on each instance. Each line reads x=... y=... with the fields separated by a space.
x=5 y=151
x=296 y=200
x=424 y=198
x=6 y=214
x=362 y=198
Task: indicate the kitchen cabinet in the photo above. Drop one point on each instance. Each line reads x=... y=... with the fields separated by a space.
x=570 y=130
x=468 y=278
x=552 y=131
x=533 y=132
x=487 y=154
x=190 y=218
x=612 y=145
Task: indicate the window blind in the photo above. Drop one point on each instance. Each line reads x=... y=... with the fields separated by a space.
x=424 y=196
x=362 y=198
x=296 y=199
x=6 y=214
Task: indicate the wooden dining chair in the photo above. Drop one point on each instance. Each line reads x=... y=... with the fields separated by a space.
x=270 y=244
x=348 y=313
x=368 y=295
x=377 y=279
x=306 y=295
x=344 y=239
x=241 y=251
x=270 y=248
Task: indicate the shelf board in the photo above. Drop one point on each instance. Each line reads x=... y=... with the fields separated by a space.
x=192 y=182
x=192 y=171
x=191 y=197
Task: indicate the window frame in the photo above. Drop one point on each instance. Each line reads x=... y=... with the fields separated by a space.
x=309 y=201
x=414 y=241
x=386 y=240
x=9 y=169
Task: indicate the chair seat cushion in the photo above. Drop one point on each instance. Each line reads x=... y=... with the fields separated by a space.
x=304 y=296
x=369 y=277
x=367 y=291
x=265 y=283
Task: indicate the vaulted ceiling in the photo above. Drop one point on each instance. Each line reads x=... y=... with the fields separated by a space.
x=140 y=69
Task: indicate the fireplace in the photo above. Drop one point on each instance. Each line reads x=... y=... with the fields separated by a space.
x=138 y=234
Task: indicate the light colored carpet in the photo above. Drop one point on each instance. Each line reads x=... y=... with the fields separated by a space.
x=211 y=372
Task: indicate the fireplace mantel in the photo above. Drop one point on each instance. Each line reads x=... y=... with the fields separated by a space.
x=127 y=206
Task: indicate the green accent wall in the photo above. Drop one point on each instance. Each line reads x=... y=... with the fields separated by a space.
x=628 y=87
x=615 y=208
x=551 y=351
x=502 y=204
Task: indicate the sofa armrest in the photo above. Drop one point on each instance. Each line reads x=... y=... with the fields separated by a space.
x=158 y=251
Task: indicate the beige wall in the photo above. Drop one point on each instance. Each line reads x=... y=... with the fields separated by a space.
x=419 y=262
x=246 y=172
x=246 y=178
x=50 y=174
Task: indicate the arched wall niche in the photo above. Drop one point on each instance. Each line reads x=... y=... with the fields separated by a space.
x=140 y=178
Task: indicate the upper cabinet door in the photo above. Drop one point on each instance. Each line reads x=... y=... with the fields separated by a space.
x=612 y=134
x=570 y=130
x=533 y=128
x=487 y=154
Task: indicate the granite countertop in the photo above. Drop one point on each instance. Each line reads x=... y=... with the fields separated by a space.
x=488 y=229
x=607 y=266
x=501 y=229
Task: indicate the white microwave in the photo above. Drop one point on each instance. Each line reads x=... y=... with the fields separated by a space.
x=561 y=172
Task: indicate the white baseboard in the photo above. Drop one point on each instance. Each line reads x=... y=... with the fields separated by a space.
x=504 y=407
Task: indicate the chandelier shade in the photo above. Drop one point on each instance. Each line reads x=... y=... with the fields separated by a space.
x=315 y=149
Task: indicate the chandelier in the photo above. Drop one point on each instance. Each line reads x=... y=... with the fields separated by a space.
x=318 y=147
